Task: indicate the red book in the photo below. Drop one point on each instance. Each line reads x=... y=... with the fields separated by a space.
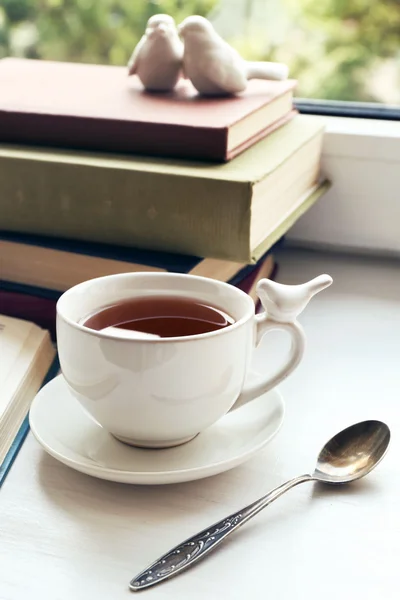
x=100 y=108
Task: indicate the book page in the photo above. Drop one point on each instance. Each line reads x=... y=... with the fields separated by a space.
x=14 y=335
x=26 y=353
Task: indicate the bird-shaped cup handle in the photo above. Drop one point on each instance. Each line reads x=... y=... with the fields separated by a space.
x=282 y=304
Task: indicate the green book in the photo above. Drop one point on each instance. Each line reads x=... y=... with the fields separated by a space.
x=233 y=211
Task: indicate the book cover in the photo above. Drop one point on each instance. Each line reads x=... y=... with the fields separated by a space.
x=110 y=112
x=201 y=209
x=31 y=304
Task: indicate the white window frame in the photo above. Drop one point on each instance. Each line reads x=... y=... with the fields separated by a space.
x=361 y=212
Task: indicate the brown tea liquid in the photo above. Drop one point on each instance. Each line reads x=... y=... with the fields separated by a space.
x=165 y=316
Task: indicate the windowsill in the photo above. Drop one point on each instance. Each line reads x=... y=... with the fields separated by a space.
x=341 y=108
x=361 y=212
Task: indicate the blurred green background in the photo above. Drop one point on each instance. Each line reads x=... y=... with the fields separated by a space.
x=337 y=49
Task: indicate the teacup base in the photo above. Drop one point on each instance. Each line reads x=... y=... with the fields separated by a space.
x=154 y=445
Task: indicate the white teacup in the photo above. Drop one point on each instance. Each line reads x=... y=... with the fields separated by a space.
x=162 y=392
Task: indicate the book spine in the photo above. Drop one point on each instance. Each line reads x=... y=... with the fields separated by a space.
x=116 y=205
x=152 y=139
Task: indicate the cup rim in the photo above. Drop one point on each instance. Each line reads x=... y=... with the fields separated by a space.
x=250 y=312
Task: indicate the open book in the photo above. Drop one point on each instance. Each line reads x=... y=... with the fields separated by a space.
x=26 y=354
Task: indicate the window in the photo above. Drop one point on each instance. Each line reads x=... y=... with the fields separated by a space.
x=339 y=50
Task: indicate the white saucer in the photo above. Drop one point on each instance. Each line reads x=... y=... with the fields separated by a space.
x=70 y=435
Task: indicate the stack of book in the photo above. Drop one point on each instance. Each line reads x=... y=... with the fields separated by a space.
x=98 y=177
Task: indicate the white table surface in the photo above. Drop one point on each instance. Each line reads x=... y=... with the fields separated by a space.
x=66 y=536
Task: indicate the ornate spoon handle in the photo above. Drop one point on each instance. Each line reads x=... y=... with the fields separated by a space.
x=194 y=548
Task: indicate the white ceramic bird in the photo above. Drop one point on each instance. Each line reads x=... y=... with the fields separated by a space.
x=284 y=302
x=213 y=66
x=157 y=58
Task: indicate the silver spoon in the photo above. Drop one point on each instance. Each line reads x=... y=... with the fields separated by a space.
x=348 y=456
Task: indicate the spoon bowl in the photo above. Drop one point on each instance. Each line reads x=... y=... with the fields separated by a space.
x=352 y=453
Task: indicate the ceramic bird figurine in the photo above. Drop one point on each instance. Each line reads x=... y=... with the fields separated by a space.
x=213 y=66
x=157 y=58
x=283 y=302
